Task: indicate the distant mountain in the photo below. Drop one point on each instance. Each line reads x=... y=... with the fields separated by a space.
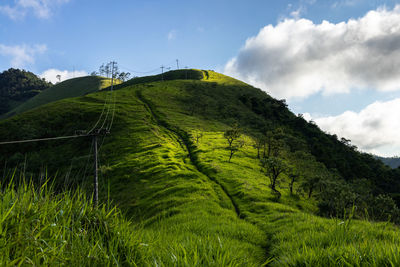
x=17 y=86
x=393 y=162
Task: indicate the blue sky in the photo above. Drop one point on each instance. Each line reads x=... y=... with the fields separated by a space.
x=67 y=35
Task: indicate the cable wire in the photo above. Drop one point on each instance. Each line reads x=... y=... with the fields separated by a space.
x=140 y=72
x=101 y=115
x=112 y=118
x=42 y=139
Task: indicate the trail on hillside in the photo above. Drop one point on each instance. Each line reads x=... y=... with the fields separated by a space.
x=184 y=140
x=186 y=143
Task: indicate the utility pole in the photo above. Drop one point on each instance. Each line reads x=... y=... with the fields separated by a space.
x=186 y=72
x=94 y=136
x=112 y=74
x=162 y=72
x=96 y=168
x=177 y=64
x=96 y=164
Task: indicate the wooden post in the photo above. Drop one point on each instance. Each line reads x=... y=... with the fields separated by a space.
x=96 y=180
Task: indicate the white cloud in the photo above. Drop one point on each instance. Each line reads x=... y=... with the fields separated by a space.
x=374 y=129
x=51 y=75
x=40 y=8
x=172 y=35
x=297 y=58
x=21 y=55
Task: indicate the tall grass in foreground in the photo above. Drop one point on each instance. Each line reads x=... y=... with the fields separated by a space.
x=332 y=242
x=39 y=228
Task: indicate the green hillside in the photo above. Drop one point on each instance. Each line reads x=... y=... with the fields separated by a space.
x=166 y=166
x=67 y=89
x=17 y=86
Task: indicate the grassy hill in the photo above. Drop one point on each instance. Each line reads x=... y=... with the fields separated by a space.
x=17 y=86
x=67 y=89
x=166 y=166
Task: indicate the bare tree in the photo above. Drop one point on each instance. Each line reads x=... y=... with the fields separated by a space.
x=232 y=136
x=102 y=70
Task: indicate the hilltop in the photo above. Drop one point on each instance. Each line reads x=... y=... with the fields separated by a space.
x=166 y=166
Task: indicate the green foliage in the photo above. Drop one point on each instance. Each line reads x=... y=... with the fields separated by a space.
x=383 y=208
x=336 y=198
x=273 y=168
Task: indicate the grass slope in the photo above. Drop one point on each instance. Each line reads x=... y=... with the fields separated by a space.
x=193 y=206
x=67 y=89
x=40 y=229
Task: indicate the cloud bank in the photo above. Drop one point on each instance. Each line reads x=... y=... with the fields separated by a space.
x=374 y=129
x=298 y=58
x=40 y=8
x=21 y=55
x=51 y=75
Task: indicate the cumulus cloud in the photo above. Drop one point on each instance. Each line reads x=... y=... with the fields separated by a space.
x=21 y=55
x=51 y=75
x=298 y=58
x=40 y=8
x=374 y=129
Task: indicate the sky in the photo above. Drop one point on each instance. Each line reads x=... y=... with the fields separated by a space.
x=334 y=61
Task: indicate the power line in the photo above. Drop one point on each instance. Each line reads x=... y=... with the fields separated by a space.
x=93 y=132
x=115 y=99
x=112 y=118
x=42 y=139
x=101 y=115
x=140 y=72
x=145 y=72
